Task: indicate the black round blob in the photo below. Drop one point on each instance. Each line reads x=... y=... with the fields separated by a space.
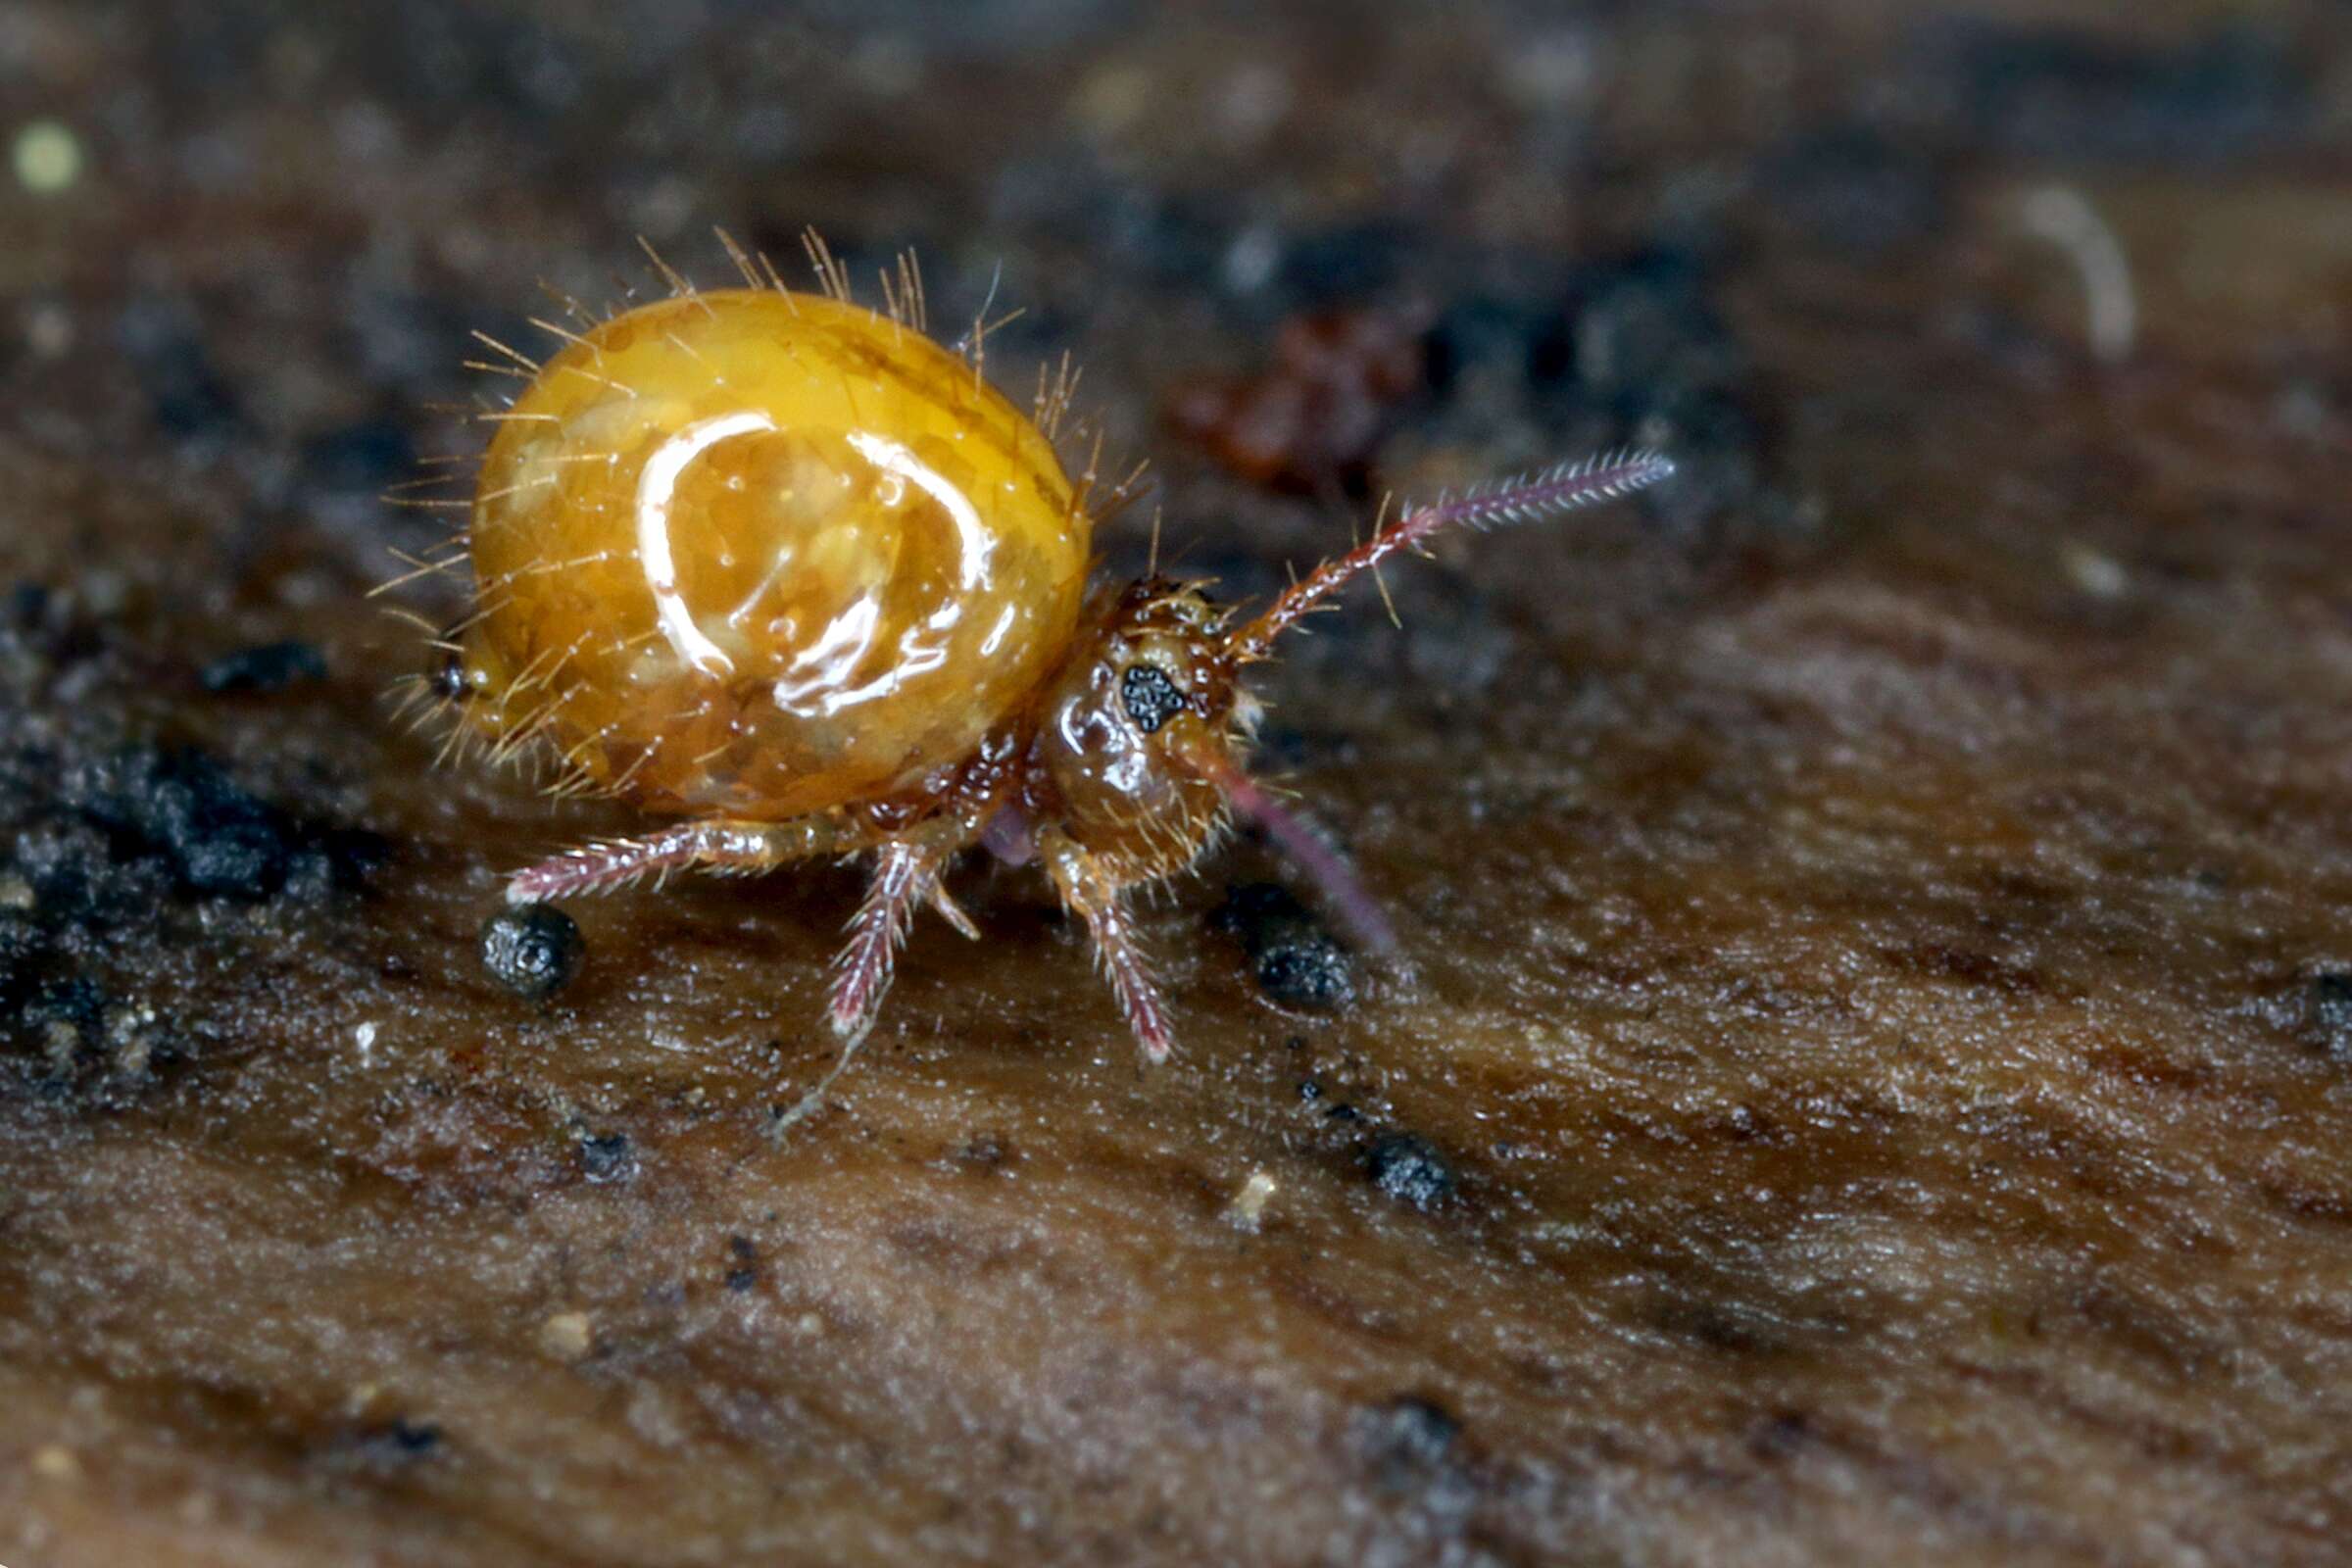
x=1152 y=698
x=1294 y=961
x=607 y=1159
x=1309 y=971
x=2330 y=1010
x=1409 y=1169
x=1411 y=1432
x=533 y=949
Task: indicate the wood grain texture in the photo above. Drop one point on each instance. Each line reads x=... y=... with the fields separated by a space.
x=1874 y=1081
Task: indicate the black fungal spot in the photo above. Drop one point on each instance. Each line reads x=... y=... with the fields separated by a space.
x=1294 y=960
x=1152 y=699
x=1645 y=342
x=2328 y=1003
x=1409 y=1169
x=69 y=865
x=533 y=949
x=65 y=1021
x=1508 y=337
x=1310 y=1094
x=607 y=1159
x=74 y=1038
x=217 y=838
x=1310 y=972
x=1411 y=1432
x=269 y=667
x=20 y=944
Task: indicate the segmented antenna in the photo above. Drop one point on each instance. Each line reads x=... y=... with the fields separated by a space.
x=1522 y=500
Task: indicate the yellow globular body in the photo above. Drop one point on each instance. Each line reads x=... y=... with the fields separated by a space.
x=755 y=554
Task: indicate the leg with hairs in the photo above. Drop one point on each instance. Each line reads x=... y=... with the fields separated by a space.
x=1086 y=887
x=905 y=877
x=727 y=848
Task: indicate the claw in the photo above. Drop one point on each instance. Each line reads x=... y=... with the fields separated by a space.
x=953 y=913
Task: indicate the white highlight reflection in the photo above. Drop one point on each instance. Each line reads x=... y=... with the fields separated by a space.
x=837 y=651
x=892 y=458
x=844 y=644
x=655 y=487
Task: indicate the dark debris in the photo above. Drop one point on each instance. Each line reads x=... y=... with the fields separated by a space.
x=1411 y=1432
x=608 y=1158
x=180 y=805
x=533 y=949
x=269 y=667
x=1313 y=420
x=1408 y=1168
x=1294 y=960
x=395 y=1444
x=2328 y=1007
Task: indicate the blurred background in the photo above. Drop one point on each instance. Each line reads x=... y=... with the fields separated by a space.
x=1874 y=1082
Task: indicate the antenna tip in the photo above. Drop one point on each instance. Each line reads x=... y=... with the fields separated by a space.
x=1642 y=466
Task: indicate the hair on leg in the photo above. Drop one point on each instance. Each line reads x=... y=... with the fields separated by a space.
x=727 y=848
x=905 y=877
x=1085 y=887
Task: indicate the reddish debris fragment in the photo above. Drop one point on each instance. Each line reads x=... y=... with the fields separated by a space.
x=1313 y=418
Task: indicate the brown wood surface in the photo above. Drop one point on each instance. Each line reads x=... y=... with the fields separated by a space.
x=1874 y=1080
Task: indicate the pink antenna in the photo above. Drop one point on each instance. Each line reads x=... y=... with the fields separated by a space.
x=1522 y=500
x=1356 y=908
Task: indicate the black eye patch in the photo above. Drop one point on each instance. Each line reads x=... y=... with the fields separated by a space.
x=1152 y=698
x=448 y=678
